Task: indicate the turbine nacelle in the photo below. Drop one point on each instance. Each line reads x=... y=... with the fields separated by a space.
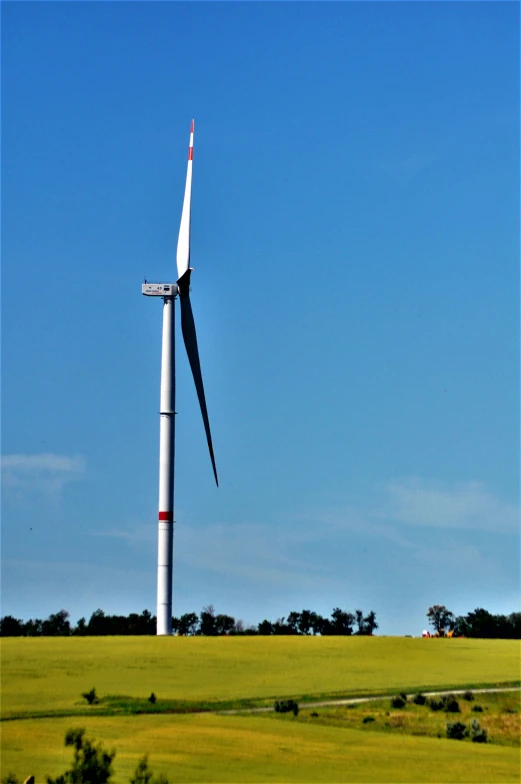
x=160 y=289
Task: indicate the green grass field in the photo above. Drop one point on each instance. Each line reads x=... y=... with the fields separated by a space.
x=49 y=674
x=206 y=748
x=44 y=677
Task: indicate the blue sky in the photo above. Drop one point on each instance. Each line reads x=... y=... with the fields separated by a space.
x=355 y=239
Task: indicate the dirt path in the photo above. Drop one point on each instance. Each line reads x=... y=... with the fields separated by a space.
x=359 y=700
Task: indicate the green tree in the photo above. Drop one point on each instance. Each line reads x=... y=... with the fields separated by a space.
x=281 y=627
x=342 y=622
x=33 y=628
x=265 y=627
x=439 y=616
x=367 y=625
x=307 y=622
x=11 y=627
x=187 y=624
x=207 y=623
x=91 y=763
x=81 y=628
x=514 y=620
x=224 y=624
x=11 y=778
x=97 y=623
x=370 y=623
x=143 y=774
x=293 y=622
x=57 y=625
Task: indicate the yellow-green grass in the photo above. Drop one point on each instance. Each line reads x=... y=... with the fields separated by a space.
x=210 y=748
x=500 y=716
x=46 y=676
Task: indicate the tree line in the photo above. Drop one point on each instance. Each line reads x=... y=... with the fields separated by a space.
x=208 y=623
x=478 y=623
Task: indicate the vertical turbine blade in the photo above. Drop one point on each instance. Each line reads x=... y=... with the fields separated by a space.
x=190 y=340
x=183 y=243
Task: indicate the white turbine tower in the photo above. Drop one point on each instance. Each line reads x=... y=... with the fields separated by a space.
x=169 y=292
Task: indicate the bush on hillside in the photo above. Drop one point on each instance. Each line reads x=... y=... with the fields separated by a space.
x=419 y=699
x=398 y=702
x=10 y=778
x=90 y=696
x=450 y=704
x=285 y=706
x=143 y=774
x=456 y=730
x=477 y=733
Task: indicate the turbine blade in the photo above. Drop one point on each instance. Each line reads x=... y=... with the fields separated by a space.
x=190 y=340
x=183 y=242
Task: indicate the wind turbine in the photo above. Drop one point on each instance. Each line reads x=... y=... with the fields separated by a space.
x=169 y=292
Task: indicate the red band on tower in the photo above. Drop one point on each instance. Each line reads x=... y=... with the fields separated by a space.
x=166 y=517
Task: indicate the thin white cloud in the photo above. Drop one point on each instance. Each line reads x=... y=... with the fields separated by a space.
x=402 y=506
x=258 y=555
x=277 y=558
x=26 y=478
x=47 y=461
x=469 y=505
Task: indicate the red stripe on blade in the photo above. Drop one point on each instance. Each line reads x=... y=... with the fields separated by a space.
x=168 y=516
x=190 y=153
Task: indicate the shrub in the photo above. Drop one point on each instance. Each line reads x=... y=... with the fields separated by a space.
x=477 y=733
x=450 y=704
x=456 y=730
x=398 y=702
x=91 y=764
x=143 y=774
x=91 y=696
x=403 y=696
x=10 y=778
x=152 y=698
x=477 y=709
x=434 y=704
x=314 y=714
x=468 y=695
x=419 y=699
x=285 y=706
x=368 y=719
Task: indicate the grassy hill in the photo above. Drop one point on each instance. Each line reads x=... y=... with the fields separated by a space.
x=43 y=679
